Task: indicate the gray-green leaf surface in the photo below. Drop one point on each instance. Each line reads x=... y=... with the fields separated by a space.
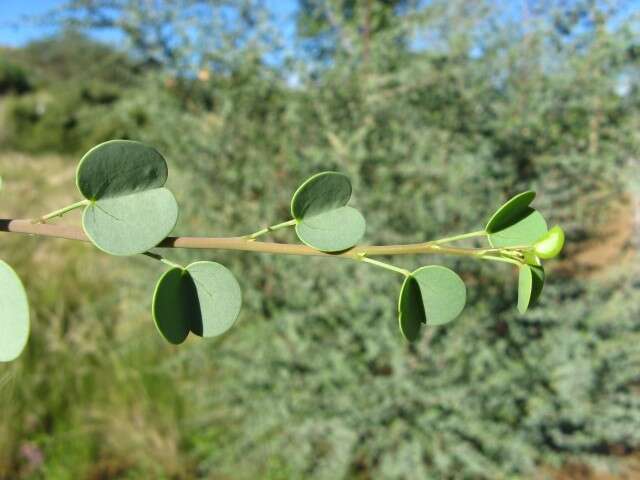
x=525 y=231
x=131 y=224
x=14 y=314
x=219 y=298
x=129 y=211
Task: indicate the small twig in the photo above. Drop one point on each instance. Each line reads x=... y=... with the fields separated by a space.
x=243 y=244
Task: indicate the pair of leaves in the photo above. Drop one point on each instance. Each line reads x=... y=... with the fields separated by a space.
x=431 y=295
x=323 y=219
x=129 y=210
x=517 y=224
x=204 y=298
x=14 y=314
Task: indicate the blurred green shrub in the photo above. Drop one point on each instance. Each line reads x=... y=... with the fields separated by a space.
x=13 y=78
x=76 y=97
x=72 y=118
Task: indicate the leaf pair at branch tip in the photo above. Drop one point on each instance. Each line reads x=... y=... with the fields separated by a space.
x=517 y=224
x=130 y=210
x=204 y=298
x=432 y=295
x=323 y=219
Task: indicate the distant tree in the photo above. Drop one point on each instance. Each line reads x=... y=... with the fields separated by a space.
x=182 y=35
x=328 y=27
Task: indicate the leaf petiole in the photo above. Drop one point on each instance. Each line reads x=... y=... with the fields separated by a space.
x=60 y=212
x=387 y=266
x=479 y=233
x=268 y=229
x=160 y=258
x=501 y=259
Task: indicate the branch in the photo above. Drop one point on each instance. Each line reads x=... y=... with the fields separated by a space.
x=239 y=243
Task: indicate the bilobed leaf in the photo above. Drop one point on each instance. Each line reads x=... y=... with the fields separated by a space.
x=433 y=295
x=530 y=284
x=14 y=314
x=204 y=298
x=129 y=211
x=323 y=221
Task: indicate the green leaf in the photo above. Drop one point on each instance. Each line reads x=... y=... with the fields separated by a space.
x=525 y=231
x=530 y=284
x=131 y=224
x=219 y=298
x=324 y=222
x=120 y=167
x=173 y=305
x=443 y=293
x=515 y=223
x=410 y=310
x=14 y=314
x=433 y=295
x=129 y=211
x=322 y=192
x=332 y=231
x=510 y=212
x=550 y=244
x=203 y=298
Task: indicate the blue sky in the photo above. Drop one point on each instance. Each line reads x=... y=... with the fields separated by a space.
x=16 y=31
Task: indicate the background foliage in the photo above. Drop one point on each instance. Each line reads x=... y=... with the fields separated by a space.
x=438 y=113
